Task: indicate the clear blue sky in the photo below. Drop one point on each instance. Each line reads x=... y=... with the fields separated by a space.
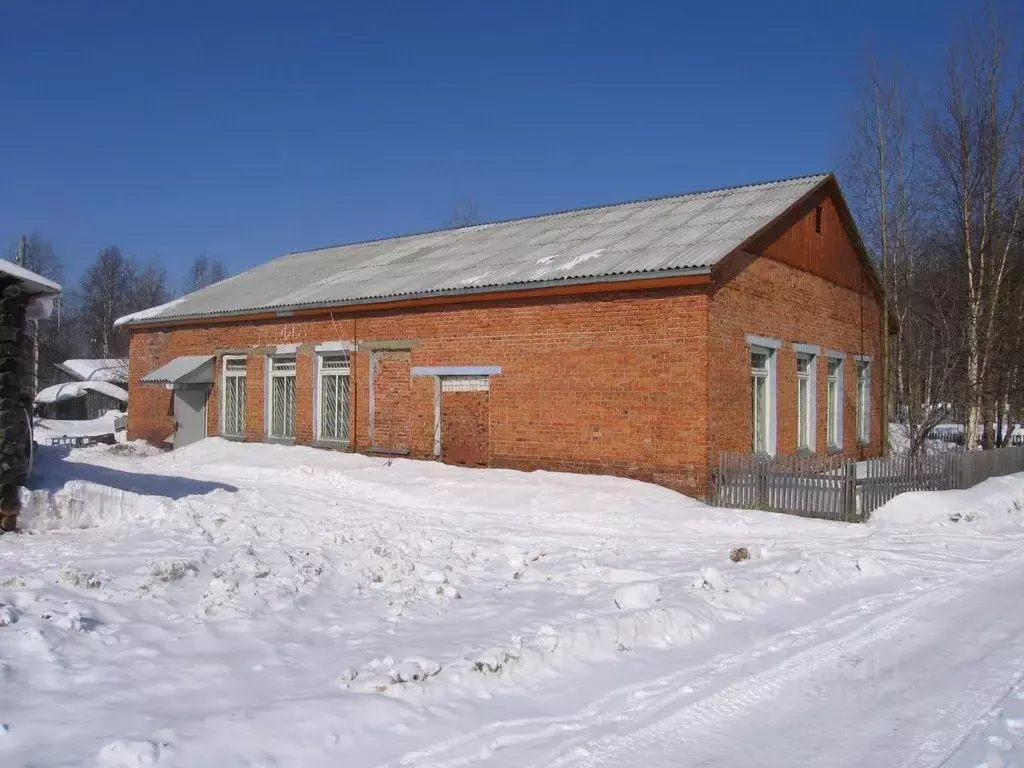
x=248 y=129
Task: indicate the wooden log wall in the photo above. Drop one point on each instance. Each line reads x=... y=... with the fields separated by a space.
x=15 y=402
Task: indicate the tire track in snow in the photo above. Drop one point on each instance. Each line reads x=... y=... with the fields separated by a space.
x=697 y=721
x=963 y=719
x=640 y=697
x=643 y=702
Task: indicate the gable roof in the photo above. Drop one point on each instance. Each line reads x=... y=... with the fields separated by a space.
x=684 y=234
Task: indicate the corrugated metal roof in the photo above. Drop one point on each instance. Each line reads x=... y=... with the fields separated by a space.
x=687 y=233
x=181 y=370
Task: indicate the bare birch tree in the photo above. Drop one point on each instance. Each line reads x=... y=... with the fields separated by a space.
x=977 y=143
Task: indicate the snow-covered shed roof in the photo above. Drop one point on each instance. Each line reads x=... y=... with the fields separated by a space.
x=32 y=282
x=101 y=369
x=74 y=389
x=666 y=236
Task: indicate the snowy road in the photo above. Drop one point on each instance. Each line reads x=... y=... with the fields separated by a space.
x=251 y=605
x=903 y=684
x=899 y=679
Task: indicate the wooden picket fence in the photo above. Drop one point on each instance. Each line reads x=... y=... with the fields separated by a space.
x=886 y=478
x=812 y=486
x=834 y=488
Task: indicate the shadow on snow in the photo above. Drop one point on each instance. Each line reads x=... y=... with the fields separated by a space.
x=52 y=470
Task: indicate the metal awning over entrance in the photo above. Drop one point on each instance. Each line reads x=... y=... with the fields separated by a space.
x=182 y=371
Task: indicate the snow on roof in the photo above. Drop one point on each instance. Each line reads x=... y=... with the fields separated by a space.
x=144 y=314
x=71 y=390
x=45 y=430
x=101 y=369
x=685 y=234
x=30 y=280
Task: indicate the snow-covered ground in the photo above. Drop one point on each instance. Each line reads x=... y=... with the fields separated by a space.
x=45 y=430
x=899 y=442
x=257 y=605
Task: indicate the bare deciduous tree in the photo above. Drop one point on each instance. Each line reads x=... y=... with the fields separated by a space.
x=150 y=286
x=940 y=200
x=463 y=214
x=113 y=286
x=104 y=291
x=882 y=177
x=976 y=138
x=204 y=272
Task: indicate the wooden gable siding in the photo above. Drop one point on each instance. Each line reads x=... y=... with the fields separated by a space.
x=830 y=254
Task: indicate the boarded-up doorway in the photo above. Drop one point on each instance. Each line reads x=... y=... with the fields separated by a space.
x=465 y=420
x=391 y=401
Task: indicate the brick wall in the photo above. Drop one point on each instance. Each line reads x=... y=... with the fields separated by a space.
x=599 y=383
x=642 y=384
x=392 y=399
x=765 y=297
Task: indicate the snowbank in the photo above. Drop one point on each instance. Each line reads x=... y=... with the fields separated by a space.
x=81 y=504
x=49 y=429
x=997 y=501
x=71 y=390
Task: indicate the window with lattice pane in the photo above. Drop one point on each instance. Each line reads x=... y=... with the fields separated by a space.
x=282 y=397
x=333 y=397
x=233 y=410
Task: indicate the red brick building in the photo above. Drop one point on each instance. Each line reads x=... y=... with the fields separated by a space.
x=636 y=339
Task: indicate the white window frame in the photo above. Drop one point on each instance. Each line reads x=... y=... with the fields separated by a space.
x=322 y=373
x=864 y=372
x=836 y=401
x=769 y=348
x=811 y=352
x=235 y=374
x=273 y=374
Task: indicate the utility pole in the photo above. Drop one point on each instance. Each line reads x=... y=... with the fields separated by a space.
x=21 y=251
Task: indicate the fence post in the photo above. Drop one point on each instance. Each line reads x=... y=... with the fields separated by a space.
x=761 y=473
x=714 y=480
x=850 y=493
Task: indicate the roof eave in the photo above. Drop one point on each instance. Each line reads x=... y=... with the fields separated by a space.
x=285 y=310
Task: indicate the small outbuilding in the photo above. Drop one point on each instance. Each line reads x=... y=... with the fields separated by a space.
x=90 y=388
x=80 y=400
